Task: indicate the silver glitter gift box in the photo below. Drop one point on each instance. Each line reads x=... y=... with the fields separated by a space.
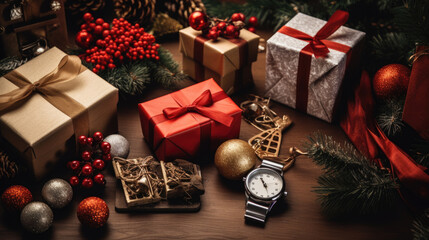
x=322 y=93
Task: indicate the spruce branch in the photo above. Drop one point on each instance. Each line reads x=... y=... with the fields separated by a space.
x=420 y=226
x=351 y=183
x=389 y=116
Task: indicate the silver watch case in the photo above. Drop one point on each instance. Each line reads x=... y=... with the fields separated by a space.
x=268 y=201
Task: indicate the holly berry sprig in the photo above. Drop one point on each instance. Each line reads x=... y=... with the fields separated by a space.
x=107 y=45
x=94 y=155
x=213 y=28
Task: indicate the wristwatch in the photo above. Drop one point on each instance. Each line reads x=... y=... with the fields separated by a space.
x=264 y=187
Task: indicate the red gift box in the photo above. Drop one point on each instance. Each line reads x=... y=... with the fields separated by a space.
x=191 y=122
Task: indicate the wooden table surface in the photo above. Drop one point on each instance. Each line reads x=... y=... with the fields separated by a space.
x=221 y=214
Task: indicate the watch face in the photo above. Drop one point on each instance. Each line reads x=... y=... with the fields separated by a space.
x=264 y=183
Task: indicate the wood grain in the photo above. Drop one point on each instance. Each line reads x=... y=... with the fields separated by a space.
x=222 y=210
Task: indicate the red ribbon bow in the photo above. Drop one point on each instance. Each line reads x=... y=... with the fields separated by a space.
x=200 y=105
x=317 y=45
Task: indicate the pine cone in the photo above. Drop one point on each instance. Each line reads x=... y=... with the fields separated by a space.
x=135 y=11
x=181 y=9
x=79 y=7
x=8 y=168
x=164 y=24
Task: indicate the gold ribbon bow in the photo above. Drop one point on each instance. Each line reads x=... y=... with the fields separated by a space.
x=68 y=69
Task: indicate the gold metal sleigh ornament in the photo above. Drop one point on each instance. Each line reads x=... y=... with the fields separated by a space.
x=258 y=114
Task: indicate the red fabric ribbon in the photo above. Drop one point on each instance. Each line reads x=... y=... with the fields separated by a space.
x=363 y=131
x=317 y=45
x=200 y=105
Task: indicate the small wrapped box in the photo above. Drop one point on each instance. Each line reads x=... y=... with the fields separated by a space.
x=227 y=61
x=189 y=123
x=48 y=102
x=307 y=60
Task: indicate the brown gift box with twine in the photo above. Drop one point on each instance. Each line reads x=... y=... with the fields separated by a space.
x=227 y=61
x=48 y=102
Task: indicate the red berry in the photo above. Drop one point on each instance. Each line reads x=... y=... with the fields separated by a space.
x=107 y=157
x=213 y=34
x=198 y=20
x=87 y=170
x=99 y=179
x=98 y=164
x=106 y=33
x=73 y=165
x=82 y=140
x=253 y=21
x=86 y=155
x=98 y=29
x=90 y=141
x=238 y=17
x=87 y=17
x=99 y=21
x=74 y=181
x=221 y=25
x=106 y=26
x=251 y=29
x=87 y=183
x=230 y=29
x=98 y=136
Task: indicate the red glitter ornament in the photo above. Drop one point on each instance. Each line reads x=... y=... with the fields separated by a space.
x=391 y=81
x=16 y=197
x=93 y=212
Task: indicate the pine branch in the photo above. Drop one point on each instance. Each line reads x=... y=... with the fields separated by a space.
x=167 y=72
x=390 y=48
x=351 y=184
x=420 y=227
x=389 y=116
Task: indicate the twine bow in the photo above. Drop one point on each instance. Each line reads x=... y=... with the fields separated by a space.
x=201 y=105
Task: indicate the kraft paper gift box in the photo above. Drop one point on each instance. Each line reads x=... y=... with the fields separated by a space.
x=304 y=82
x=37 y=128
x=227 y=61
x=190 y=123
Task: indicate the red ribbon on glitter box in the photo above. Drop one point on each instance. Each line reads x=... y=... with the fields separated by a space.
x=189 y=123
x=227 y=61
x=307 y=60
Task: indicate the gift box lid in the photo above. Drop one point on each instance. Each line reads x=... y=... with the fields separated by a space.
x=35 y=119
x=289 y=47
x=223 y=55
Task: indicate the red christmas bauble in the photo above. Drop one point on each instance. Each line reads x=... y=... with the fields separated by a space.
x=98 y=136
x=391 y=81
x=84 y=39
x=198 y=20
x=93 y=212
x=253 y=21
x=16 y=197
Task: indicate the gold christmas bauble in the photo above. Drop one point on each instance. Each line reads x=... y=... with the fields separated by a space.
x=234 y=159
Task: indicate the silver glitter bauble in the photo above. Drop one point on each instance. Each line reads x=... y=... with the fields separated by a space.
x=57 y=193
x=37 y=217
x=120 y=147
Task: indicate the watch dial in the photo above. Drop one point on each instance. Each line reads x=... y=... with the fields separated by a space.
x=264 y=183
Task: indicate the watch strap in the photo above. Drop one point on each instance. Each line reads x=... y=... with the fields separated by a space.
x=273 y=165
x=256 y=211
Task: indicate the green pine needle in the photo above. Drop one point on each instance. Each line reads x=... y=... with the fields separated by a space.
x=389 y=116
x=420 y=227
x=351 y=183
x=131 y=78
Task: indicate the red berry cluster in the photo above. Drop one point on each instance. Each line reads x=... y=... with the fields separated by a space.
x=213 y=28
x=94 y=155
x=114 y=43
